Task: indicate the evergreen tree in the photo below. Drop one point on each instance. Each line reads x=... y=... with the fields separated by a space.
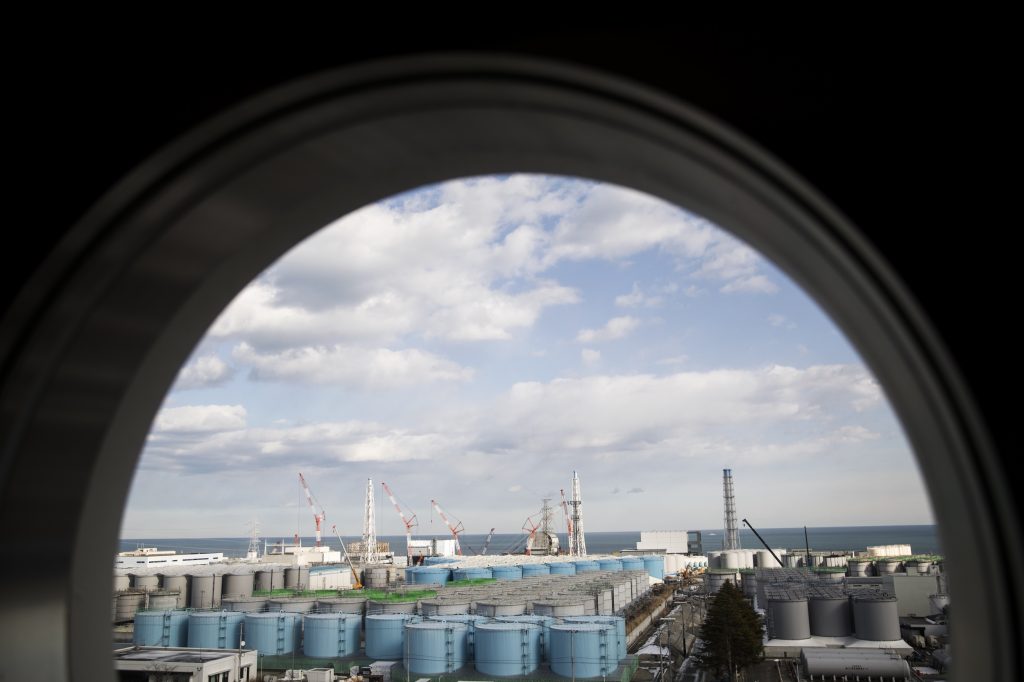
x=731 y=634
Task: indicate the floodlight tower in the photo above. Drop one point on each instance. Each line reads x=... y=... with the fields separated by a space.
x=732 y=531
x=370 y=555
x=577 y=541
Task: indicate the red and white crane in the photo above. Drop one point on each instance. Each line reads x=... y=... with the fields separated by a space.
x=409 y=522
x=456 y=529
x=317 y=516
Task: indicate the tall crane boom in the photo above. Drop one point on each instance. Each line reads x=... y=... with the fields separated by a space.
x=456 y=529
x=568 y=520
x=409 y=523
x=317 y=517
x=355 y=576
x=487 y=542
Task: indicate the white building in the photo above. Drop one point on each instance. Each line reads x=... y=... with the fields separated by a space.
x=667 y=541
x=297 y=555
x=180 y=664
x=151 y=556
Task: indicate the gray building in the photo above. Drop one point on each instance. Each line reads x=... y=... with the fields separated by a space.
x=161 y=664
x=911 y=592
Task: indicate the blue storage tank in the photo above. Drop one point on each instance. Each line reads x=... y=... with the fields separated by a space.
x=583 y=650
x=331 y=635
x=431 y=560
x=472 y=573
x=545 y=623
x=435 y=647
x=273 y=634
x=430 y=575
x=562 y=568
x=632 y=564
x=470 y=621
x=587 y=566
x=609 y=564
x=508 y=649
x=655 y=566
x=161 y=628
x=214 y=629
x=385 y=635
x=507 y=572
x=532 y=570
x=615 y=621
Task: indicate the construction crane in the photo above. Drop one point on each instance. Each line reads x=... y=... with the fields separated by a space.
x=318 y=517
x=568 y=519
x=487 y=543
x=355 y=576
x=530 y=528
x=456 y=529
x=409 y=523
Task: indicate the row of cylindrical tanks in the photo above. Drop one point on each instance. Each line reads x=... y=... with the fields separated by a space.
x=573 y=646
x=590 y=593
x=475 y=567
x=798 y=616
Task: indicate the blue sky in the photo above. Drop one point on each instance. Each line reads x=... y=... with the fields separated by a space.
x=477 y=341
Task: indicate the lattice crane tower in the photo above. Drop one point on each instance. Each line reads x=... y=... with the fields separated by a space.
x=370 y=555
x=577 y=541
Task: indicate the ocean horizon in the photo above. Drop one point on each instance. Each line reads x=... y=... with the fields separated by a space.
x=923 y=539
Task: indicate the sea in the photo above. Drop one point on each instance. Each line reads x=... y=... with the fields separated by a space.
x=923 y=539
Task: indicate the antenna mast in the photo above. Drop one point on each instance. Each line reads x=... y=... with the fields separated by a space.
x=370 y=554
x=732 y=531
x=577 y=541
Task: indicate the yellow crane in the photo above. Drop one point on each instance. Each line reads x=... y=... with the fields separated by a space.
x=355 y=576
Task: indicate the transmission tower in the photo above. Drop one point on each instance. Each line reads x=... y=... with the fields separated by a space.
x=577 y=541
x=370 y=555
x=732 y=531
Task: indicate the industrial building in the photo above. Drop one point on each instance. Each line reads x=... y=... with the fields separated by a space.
x=147 y=663
x=151 y=556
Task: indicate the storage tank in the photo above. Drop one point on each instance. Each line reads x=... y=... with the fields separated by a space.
x=858 y=568
x=583 y=650
x=292 y=604
x=162 y=600
x=793 y=560
x=714 y=578
x=632 y=564
x=766 y=560
x=238 y=585
x=887 y=566
x=206 y=590
x=876 y=618
x=788 y=618
x=374 y=607
x=273 y=634
x=296 y=577
x=586 y=566
x=938 y=602
x=244 y=604
x=715 y=559
x=431 y=575
x=732 y=558
x=451 y=606
x=830 y=616
x=375 y=576
x=435 y=647
x=543 y=622
x=830 y=574
x=122 y=583
x=341 y=605
x=471 y=621
x=534 y=570
x=161 y=628
x=146 y=582
x=330 y=635
x=385 y=635
x=269 y=579
x=616 y=622
x=655 y=566
x=507 y=649
x=128 y=603
x=507 y=572
x=560 y=608
x=493 y=608
x=180 y=583
x=749 y=581
x=609 y=565
x=472 y=573
x=559 y=568
x=214 y=629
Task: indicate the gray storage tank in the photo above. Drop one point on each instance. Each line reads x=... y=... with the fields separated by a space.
x=876 y=618
x=206 y=591
x=292 y=604
x=341 y=605
x=788 y=618
x=830 y=615
x=127 y=604
x=296 y=578
x=492 y=608
x=145 y=582
x=269 y=579
x=244 y=604
x=162 y=600
x=180 y=582
x=237 y=585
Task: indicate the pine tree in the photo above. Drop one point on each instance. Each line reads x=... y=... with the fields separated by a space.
x=731 y=634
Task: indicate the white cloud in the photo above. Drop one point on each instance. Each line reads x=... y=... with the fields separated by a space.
x=636 y=298
x=200 y=419
x=755 y=284
x=378 y=368
x=589 y=356
x=776 y=320
x=615 y=328
x=674 y=360
x=203 y=372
